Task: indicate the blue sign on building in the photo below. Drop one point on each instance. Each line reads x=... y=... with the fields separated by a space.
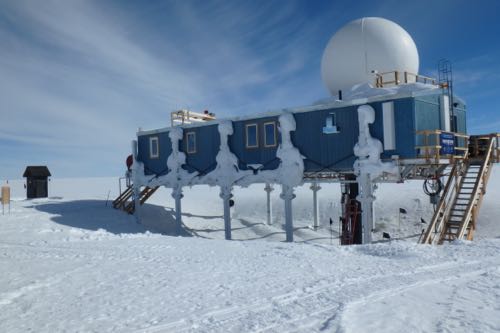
x=447 y=143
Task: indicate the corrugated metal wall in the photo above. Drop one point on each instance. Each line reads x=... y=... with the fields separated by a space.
x=207 y=147
x=327 y=151
x=154 y=166
x=261 y=155
x=321 y=151
x=404 y=120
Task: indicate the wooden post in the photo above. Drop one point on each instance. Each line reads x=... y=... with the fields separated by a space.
x=5 y=198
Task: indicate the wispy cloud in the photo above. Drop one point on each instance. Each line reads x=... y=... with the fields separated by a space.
x=84 y=75
x=78 y=77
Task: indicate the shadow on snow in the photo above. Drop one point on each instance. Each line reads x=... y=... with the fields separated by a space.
x=95 y=214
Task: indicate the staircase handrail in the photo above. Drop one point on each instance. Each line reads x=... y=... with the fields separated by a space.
x=441 y=210
x=475 y=191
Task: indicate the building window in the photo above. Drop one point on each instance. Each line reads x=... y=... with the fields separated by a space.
x=252 y=140
x=270 y=134
x=331 y=124
x=191 y=142
x=154 y=148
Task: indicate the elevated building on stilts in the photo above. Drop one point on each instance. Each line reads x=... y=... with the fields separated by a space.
x=383 y=123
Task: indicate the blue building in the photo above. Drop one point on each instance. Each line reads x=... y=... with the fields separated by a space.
x=420 y=134
x=383 y=124
x=325 y=135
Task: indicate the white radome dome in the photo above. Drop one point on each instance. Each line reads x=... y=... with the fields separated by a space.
x=364 y=46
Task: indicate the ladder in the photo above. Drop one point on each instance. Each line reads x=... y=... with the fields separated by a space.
x=445 y=80
x=456 y=213
x=126 y=202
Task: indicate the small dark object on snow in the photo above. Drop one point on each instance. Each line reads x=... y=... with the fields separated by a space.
x=37 y=181
x=231 y=202
x=331 y=221
x=422 y=220
x=386 y=235
x=402 y=211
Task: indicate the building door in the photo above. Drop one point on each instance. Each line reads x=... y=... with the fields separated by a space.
x=41 y=188
x=30 y=190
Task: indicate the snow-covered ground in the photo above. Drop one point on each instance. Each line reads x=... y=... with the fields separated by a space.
x=72 y=263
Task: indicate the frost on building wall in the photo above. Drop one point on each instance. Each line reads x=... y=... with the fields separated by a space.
x=227 y=172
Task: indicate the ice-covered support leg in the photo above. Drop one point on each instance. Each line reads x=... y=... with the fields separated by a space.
x=287 y=195
x=368 y=166
x=315 y=188
x=226 y=195
x=269 y=212
x=366 y=199
x=136 y=188
x=177 y=195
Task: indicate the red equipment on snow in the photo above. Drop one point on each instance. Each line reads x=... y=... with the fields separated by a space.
x=129 y=162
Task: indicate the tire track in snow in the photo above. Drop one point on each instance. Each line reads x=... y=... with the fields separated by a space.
x=10 y=296
x=467 y=271
x=322 y=302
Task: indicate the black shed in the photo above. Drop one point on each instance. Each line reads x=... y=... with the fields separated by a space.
x=37 y=181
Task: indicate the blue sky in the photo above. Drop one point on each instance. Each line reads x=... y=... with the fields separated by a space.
x=77 y=78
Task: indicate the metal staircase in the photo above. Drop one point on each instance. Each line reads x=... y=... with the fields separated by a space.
x=122 y=198
x=126 y=202
x=456 y=213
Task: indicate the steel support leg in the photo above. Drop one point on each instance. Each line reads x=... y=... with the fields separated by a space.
x=177 y=195
x=269 y=210
x=226 y=195
x=315 y=188
x=287 y=195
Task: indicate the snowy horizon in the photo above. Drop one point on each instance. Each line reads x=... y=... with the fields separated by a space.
x=79 y=77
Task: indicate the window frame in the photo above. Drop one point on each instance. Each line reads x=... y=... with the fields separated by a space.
x=193 y=134
x=275 y=138
x=256 y=146
x=151 y=140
